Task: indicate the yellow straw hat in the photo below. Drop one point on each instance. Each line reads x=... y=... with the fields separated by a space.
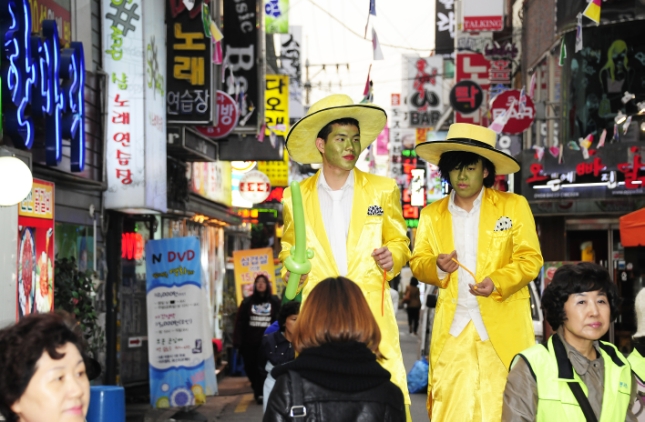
x=469 y=138
x=302 y=136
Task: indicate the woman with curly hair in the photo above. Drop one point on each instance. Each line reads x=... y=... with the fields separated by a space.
x=575 y=376
x=42 y=371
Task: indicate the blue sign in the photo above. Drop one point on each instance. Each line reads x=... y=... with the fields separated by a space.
x=177 y=346
x=39 y=79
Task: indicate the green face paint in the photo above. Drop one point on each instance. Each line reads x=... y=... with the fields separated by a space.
x=468 y=181
x=343 y=147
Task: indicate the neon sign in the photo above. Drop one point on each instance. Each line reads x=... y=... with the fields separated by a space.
x=37 y=72
x=132 y=245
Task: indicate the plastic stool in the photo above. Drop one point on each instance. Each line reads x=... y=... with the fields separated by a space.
x=107 y=404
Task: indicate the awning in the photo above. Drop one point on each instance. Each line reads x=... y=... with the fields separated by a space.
x=632 y=229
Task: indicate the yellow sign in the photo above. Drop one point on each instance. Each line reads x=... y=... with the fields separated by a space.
x=422 y=133
x=276 y=107
x=277 y=171
x=249 y=264
x=40 y=202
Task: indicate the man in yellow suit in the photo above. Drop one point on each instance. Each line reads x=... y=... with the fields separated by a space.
x=480 y=247
x=354 y=223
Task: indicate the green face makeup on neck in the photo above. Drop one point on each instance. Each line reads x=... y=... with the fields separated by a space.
x=342 y=147
x=468 y=180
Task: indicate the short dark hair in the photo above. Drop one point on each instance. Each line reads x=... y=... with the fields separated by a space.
x=577 y=278
x=345 y=121
x=22 y=345
x=288 y=309
x=414 y=282
x=459 y=159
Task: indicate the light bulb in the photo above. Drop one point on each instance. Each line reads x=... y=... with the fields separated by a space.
x=15 y=180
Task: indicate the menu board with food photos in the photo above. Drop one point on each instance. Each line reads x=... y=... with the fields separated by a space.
x=36 y=251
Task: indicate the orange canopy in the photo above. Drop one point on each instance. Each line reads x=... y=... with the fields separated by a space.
x=632 y=229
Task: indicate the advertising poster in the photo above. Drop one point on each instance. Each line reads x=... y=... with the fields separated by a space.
x=249 y=264
x=212 y=181
x=182 y=369
x=36 y=251
x=276 y=16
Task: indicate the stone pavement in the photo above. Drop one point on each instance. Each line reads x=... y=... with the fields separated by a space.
x=235 y=401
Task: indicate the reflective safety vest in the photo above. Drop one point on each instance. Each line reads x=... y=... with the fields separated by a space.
x=552 y=370
x=637 y=361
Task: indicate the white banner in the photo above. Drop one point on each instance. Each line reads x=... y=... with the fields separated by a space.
x=290 y=64
x=134 y=57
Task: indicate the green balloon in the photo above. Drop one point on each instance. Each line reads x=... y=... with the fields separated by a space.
x=298 y=262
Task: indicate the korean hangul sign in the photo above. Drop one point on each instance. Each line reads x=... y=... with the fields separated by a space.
x=180 y=351
x=35 y=290
x=444 y=31
x=276 y=171
x=212 y=181
x=244 y=77
x=189 y=90
x=248 y=264
x=134 y=59
x=290 y=65
x=423 y=89
x=473 y=67
x=276 y=112
x=483 y=15
x=51 y=9
x=466 y=97
x=227 y=116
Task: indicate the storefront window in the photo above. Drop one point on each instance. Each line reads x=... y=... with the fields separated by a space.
x=75 y=241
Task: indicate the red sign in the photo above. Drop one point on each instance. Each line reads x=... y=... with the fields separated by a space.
x=35 y=290
x=276 y=195
x=473 y=67
x=227 y=116
x=396 y=100
x=132 y=246
x=483 y=23
x=521 y=115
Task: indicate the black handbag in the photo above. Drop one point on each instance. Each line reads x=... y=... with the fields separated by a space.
x=431 y=301
x=298 y=410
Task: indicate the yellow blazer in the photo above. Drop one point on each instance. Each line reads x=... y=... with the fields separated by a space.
x=366 y=233
x=510 y=257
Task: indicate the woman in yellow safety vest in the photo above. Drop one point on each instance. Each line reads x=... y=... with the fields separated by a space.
x=575 y=376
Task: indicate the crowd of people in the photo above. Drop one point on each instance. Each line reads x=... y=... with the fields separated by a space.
x=336 y=354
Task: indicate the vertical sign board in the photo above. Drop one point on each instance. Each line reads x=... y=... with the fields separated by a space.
x=276 y=16
x=36 y=251
x=134 y=59
x=473 y=67
x=444 y=31
x=424 y=89
x=177 y=347
x=249 y=264
x=189 y=97
x=290 y=65
x=243 y=76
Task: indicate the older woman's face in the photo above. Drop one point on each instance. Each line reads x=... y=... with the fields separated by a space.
x=59 y=390
x=587 y=316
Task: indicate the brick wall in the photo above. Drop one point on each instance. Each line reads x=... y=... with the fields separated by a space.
x=539 y=30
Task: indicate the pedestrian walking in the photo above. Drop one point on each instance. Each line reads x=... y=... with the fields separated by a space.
x=276 y=346
x=336 y=376
x=254 y=315
x=480 y=247
x=412 y=297
x=575 y=376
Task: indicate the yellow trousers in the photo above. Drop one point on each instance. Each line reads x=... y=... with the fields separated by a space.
x=468 y=382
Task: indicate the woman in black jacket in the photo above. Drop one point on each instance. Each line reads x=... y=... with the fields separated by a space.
x=254 y=315
x=336 y=375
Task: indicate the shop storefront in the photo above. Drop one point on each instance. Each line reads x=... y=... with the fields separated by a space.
x=585 y=168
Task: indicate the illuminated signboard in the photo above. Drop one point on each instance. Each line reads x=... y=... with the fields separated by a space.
x=39 y=79
x=132 y=246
